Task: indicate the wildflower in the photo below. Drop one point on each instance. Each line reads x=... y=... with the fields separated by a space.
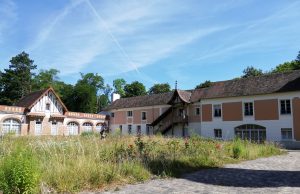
x=218 y=146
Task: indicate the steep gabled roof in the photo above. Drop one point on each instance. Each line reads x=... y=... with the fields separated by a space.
x=141 y=101
x=265 y=84
x=182 y=94
x=29 y=100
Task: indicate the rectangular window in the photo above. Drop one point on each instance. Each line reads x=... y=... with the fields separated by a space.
x=248 y=109
x=286 y=134
x=48 y=106
x=112 y=114
x=285 y=107
x=129 y=129
x=197 y=111
x=129 y=113
x=144 y=115
x=138 y=130
x=218 y=133
x=217 y=110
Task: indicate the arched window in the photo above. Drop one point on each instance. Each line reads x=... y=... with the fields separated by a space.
x=11 y=126
x=87 y=127
x=251 y=132
x=73 y=128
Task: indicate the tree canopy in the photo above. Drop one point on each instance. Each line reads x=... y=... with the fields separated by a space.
x=16 y=81
x=159 y=88
x=135 y=89
x=251 y=72
x=205 y=84
x=119 y=86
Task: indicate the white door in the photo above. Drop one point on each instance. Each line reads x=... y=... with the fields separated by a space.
x=38 y=128
x=54 y=128
x=73 y=128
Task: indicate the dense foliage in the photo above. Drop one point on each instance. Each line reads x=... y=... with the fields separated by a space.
x=160 y=88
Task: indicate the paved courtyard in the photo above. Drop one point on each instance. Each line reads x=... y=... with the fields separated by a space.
x=278 y=174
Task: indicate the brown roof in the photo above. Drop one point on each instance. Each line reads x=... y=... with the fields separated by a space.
x=140 y=101
x=265 y=84
x=29 y=100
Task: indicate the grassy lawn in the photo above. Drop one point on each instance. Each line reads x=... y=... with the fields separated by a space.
x=70 y=164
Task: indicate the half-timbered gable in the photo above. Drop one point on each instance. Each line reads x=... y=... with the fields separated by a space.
x=48 y=104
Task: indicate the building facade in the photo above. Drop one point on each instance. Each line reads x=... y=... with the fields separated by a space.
x=43 y=113
x=256 y=108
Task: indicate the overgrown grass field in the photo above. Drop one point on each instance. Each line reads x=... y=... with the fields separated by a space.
x=71 y=164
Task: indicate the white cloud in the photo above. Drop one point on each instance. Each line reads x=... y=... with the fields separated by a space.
x=113 y=38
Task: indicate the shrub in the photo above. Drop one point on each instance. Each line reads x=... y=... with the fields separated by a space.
x=19 y=173
x=237 y=148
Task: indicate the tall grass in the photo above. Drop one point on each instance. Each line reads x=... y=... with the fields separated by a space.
x=70 y=164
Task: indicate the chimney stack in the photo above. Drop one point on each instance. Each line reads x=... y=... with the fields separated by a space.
x=115 y=96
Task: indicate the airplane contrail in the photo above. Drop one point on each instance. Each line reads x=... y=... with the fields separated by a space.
x=112 y=36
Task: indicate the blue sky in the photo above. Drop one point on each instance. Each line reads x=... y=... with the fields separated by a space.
x=152 y=41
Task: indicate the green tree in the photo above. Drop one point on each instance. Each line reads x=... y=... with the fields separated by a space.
x=103 y=99
x=46 y=78
x=119 y=86
x=17 y=79
x=298 y=57
x=205 y=84
x=66 y=94
x=93 y=80
x=134 y=89
x=84 y=96
x=160 y=88
x=251 y=72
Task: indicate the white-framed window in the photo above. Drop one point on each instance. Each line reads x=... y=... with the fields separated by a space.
x=217 y=110
x=87 y=127
x=48 y=106
x=248 y=108
x=251 y=132
x=286 y=134
x=38 y=127
x=144 y=116
x=11 y=126
x=285 y=107
x=218 y=133
x=138 y=130
x=129 y=129
x=197 y=111
x=129 y=113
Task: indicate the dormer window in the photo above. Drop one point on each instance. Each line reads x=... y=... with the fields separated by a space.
x=48 y=106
